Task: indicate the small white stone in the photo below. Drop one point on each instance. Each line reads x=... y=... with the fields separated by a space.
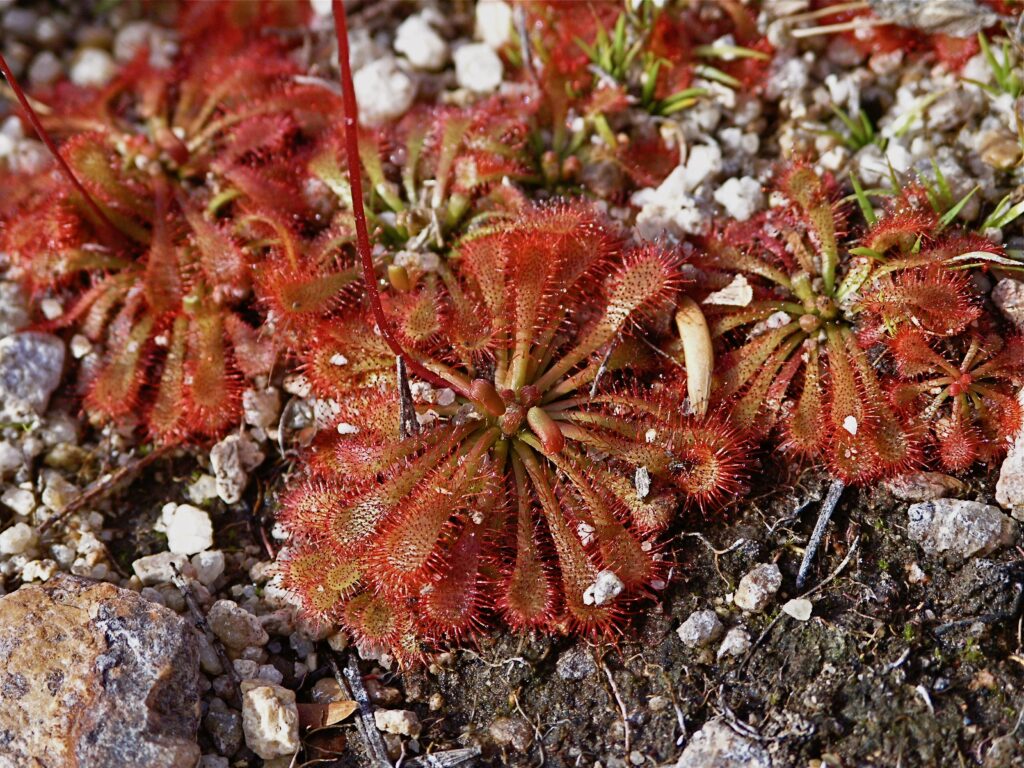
x=606 y=587
x=203 y=489
x=738 y=293
x=347 y=429
x=383 y=90
x=705 y=160
x=642 y=482
x=915 y=575
x=261 y=407
x=11 y=458
x=799 y=608
x=717 y=745
x=232 y=459
x=51 y=308
x=585 y=532
x=45 y=69
x=399 y=721
x=17 y=539
x=188 y=528
x=478 y=68
x=850 y=424
x=420 y=44
x=445 y=397
x=38 y=570
x=700 y=628
x=1008 y=295
x=923 y=486
x=736 y=643
x=270 y=719
x=158 y=568
x=758 y=587
x=88 y=544
x=21 y=500
x=135 y=35
x=63 y=554
x=58 y=492
x=493 y=22
x=92 y=68
x=247 y=669
x=339 y=359
x=958 y=529
x=741 y=197
x=322 y=8
x=209 y=565
x=80 y=346
x=235 y=626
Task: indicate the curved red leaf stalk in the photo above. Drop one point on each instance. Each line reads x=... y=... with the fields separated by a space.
x=363 y=246
x=45 y=137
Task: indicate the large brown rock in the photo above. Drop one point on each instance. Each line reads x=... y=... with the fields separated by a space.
x=94 y=676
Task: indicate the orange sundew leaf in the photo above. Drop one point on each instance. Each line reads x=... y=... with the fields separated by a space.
x=212 y=385
x=465 y=321
x=341 y=517
x=300 y=296
x=163 y=281
x=223 y=264
x=405 y=553
x=345 y=355
x=254 y=351
x=620 y=550
x=167 y=415
x=738 y=367
x=806 y=426
x=914 y=356
x=115 y=390
x=320 y=577
x=378 y=623
x=347 y=515
x=94 y=163
x=936 y=300
x=578 y=572
x=452 y=603
x=757 y=405
x=484 y=258
x=645 y=282
x=528 y=594
x=417 y=316
x=1001 y=419
x=708 y=461
x=959 y=444
x=98 y=303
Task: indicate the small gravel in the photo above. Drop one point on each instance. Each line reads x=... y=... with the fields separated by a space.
x=735 y=643
x=270 y=719
x=235 y=626
x=384 y=91
x=478 y=68
x=959 y=529
x=402 y=722
x=700 y=629
x=758 y=587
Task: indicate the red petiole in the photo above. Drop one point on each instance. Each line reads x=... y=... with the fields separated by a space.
x=359 y=212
